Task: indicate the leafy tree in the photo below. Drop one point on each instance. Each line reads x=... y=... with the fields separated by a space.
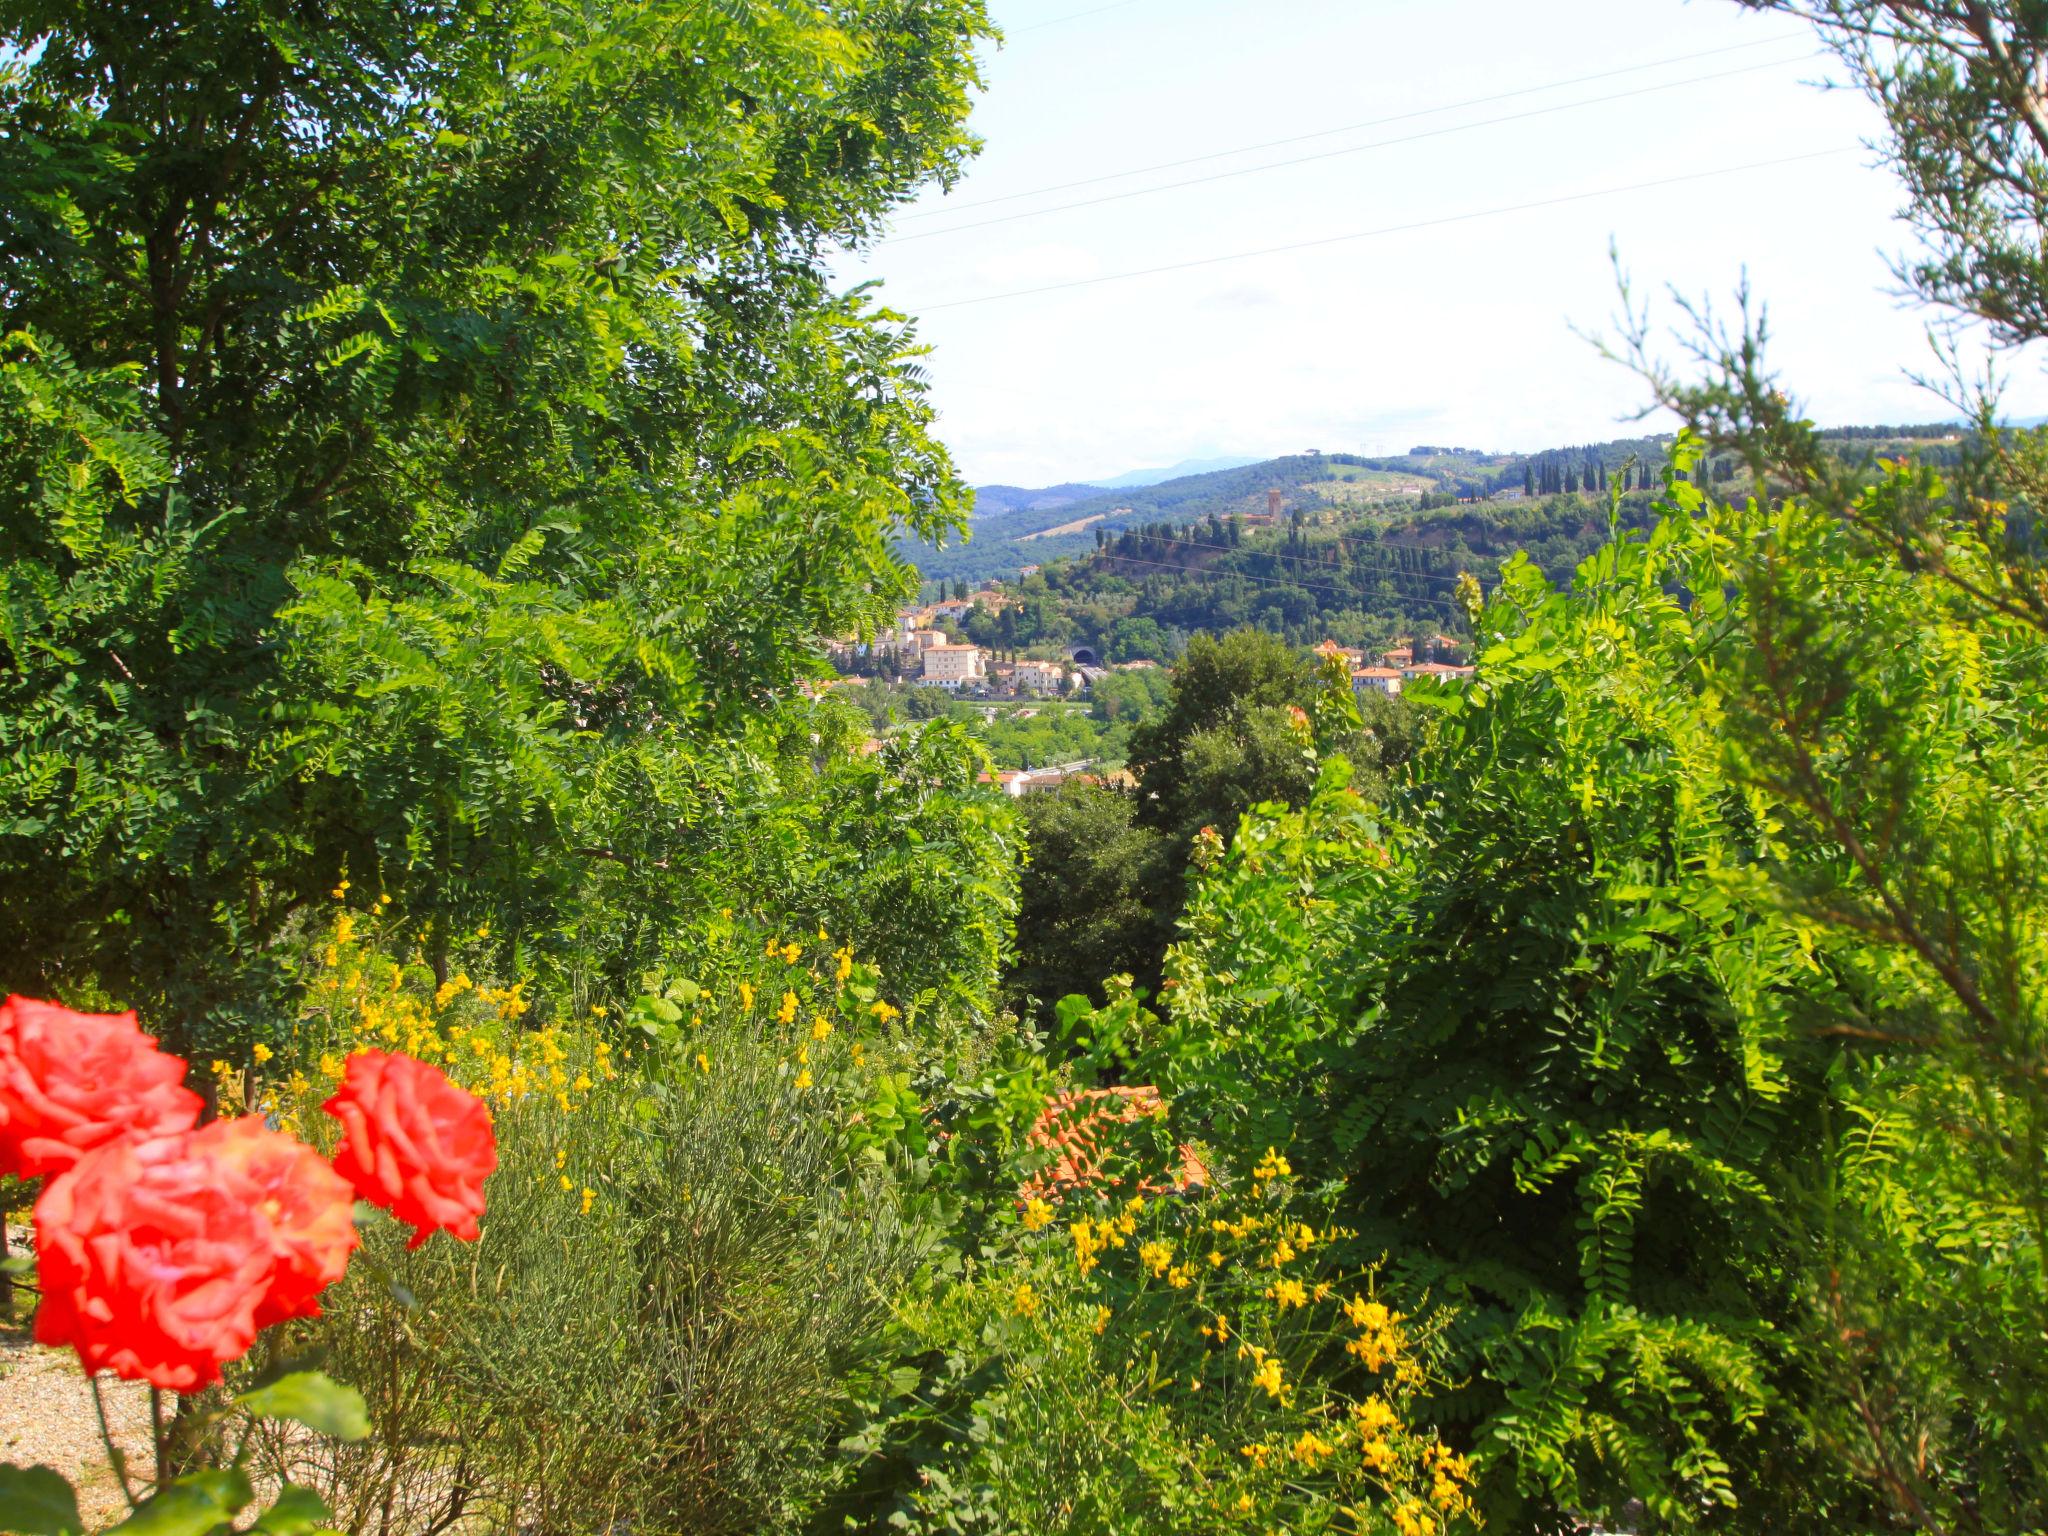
x=1226 y=739
x=1086 y=911
x=409 y=456
x=1961 y=89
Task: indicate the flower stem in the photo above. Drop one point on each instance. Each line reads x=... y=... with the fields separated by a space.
x=115 y=1459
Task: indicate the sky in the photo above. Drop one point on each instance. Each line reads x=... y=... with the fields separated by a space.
x=1463 y=331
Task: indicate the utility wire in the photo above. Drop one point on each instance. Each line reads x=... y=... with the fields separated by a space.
x=1054 y=21
x=1349 y=149
x=1394 y=229
x=1325 y=133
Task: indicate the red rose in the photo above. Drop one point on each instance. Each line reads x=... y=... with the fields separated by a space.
x=70 y=1082
x=153 y=1259
x=310 y=1209
x=413 y=1143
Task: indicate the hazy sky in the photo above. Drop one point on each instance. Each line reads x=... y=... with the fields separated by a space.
x=1458 y=333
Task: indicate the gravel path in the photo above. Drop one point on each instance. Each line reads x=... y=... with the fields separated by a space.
x=46 y=1418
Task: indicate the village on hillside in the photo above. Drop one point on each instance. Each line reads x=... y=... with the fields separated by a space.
x=924 y=646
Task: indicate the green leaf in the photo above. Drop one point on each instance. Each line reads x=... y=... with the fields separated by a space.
x=297 y=1512
x=314 y=1399
x=191 y=1506
x=37 y=1501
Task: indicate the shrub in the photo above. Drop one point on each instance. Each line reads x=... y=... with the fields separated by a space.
x=1197 y=1363
x=686 y=1273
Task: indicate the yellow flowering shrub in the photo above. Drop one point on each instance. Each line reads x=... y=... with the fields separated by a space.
x=1197 y=1363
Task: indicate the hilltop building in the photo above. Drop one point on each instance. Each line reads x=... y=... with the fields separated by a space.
x=953 y=666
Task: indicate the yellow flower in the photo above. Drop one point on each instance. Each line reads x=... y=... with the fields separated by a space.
x=561 y=1156
x=1368 y=1314
x=589 y=1195
x=1038 y=1215
x=820 y=1027
x=1271 y=1166
x=1268 y=1376
x=598 y=1010
x=1221 y=1332
x=1311 y=1448
x=1024 y=1300
x=1102 y=1317
x=341 y=890
x=884 y=1011
x=1155 y=1256
x=791 y=952
x=262 y=1053
x=1087 y=1246
x=803 y=1079
x=1288 y=1293
x=746 y=998
x=786 y=1014
x=567 y=1182
x=845 y=959
x=703 y=1062
x=1180 y=1277
x=1373 y=1416
x=1215 y=1259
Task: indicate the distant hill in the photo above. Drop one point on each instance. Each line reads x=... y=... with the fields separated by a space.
x=994 y=500
x=1014 y=526
x=1184 y=468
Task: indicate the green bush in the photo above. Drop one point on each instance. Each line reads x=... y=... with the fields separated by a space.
x=687 y=1276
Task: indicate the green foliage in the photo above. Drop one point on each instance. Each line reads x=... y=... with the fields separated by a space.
x=461 y=445
x=674 y=1348
x=1174 y=1365
x=1619 y=1014
x=1086 y=909
x=37 y=1501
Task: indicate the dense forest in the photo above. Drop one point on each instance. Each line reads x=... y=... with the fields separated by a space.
x=496 y=1039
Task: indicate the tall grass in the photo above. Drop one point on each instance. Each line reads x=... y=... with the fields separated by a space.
x=672 y=1352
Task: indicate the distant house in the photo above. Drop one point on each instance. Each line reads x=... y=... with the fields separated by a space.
x=1040 y=677
x=952 y=666
x=1443 y=672
x=1008 y=780
x=1385 y=680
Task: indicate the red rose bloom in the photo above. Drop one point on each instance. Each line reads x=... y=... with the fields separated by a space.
x=70 y=1082
x=310 y=1209
x=153 y=1259
x=413 y=1143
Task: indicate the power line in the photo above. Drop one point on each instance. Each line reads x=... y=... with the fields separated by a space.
x=1325 y=133
x=1350 y=149
x=1393 y=229
x=1054 y=21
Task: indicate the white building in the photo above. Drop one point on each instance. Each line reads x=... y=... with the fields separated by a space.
x=1385 y=680
x=1040 y=677
x=951 y=666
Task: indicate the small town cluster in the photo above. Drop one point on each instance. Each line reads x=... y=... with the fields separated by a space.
x=926 y=647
